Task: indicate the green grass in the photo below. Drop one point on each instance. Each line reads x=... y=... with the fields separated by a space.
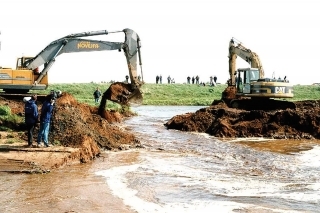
x=8 y=120
x=302 y=92
x=180 y=94
x=6 y=115
x=13 y=140
x=172 y=94
x=5 y=111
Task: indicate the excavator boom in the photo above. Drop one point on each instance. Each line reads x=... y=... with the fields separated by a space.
x=73 y=43
x=237 y=49
x=70 y=44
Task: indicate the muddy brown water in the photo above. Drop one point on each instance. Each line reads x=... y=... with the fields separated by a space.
x=73 y=188
x=177 y=172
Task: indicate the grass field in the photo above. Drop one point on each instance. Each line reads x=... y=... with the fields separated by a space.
x=173 y=94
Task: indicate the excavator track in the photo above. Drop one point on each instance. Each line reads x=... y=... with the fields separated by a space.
x=261 y=104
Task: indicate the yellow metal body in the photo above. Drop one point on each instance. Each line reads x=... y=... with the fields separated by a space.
x=21 y=79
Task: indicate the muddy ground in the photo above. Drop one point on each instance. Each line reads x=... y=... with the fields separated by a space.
x=221 y=121
x=78 y=133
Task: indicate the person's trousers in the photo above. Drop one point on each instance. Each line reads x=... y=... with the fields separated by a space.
x=30 y=128
x=43 y=133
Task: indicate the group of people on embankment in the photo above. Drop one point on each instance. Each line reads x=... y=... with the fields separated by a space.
x=190 y=80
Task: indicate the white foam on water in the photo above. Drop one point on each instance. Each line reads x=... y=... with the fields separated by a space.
x=169 y=168
x=310 y=158
x=116 y=180
x=231 y=185
x=252 y=187
x=251 y=139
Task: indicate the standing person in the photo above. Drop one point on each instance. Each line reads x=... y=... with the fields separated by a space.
x=169 y=79
x=45 y=117
x=193 y=79
x=197 y=79
x=215 y=79
x=96 y=95
x=127 y=79
x=188 y=79
x=160 y=78
x=31 y=117
x=211 y=80
x=157 y=79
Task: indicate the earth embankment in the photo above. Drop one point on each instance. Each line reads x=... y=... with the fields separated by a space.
x=222 y=121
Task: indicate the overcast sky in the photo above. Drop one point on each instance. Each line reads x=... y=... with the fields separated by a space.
x=178 y=37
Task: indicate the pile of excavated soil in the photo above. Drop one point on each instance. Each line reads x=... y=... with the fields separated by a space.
x=221 y=121
x=79 y=126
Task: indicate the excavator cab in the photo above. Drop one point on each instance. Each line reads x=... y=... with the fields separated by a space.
x=21 y=63
x=245 y=78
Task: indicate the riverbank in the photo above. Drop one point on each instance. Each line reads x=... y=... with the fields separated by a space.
x=78 y=135
x=17 y=157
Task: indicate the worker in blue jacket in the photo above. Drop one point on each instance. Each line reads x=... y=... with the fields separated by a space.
x=45 y=117
x=31 y=117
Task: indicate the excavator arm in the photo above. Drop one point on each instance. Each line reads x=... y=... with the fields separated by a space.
x=237 y=49
x=76 y=43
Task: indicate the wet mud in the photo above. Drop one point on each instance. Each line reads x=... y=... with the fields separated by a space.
x=221 y=121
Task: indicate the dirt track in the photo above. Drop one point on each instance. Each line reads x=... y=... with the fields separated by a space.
x=221 y=121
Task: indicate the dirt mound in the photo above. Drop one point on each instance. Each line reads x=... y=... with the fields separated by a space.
x=221 y=121
x=229 y=93
x=80 y=126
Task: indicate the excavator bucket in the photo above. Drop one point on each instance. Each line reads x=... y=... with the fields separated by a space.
x=135 y=97
x=122 y=94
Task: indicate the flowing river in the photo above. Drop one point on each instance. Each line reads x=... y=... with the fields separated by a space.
x=177 y=172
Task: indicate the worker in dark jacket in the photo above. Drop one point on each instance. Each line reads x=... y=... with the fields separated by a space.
x=97 y=95
x=31 y=117
x=45 y=117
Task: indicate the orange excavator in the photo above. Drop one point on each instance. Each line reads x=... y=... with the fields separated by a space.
x=27 y=75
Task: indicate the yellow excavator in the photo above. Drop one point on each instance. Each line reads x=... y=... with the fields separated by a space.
x=248 y=88
x=27 y=76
